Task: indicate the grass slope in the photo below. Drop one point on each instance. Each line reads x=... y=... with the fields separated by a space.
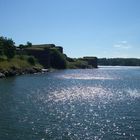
x=18 y=62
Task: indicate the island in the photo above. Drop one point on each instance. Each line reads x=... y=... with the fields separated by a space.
x=29 y=58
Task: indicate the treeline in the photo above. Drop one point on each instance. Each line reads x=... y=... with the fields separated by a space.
x=119 y=61
x=7 y=47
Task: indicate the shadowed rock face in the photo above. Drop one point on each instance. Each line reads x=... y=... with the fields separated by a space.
x=59 y=48
x=43 y=53
x=15 y=71
x=43 y=56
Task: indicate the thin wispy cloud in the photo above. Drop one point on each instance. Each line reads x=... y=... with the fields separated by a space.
x=122 y=45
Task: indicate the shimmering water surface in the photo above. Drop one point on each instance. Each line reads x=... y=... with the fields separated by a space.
x=95 y=104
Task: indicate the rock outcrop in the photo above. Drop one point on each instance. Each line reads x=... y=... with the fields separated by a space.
x=42 y=52
x=92 y=61
x=15 y=71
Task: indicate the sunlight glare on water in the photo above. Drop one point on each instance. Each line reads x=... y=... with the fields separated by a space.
x=85 y=77
x=100 y=104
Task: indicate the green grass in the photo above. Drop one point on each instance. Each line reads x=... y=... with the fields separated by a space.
x=19 y=62
x=35 y=48
x=77 y=64
x=40 y=47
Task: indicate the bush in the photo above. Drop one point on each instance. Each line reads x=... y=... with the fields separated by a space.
x=3 y=58
x=1 y=52
x=78 y=64
x=31 y=60
x=21 y=57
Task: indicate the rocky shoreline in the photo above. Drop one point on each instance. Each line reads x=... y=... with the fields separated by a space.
x=15 y=71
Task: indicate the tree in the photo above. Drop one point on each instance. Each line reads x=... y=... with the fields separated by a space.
x=7 y=47
x=21 y=46
x=1 y=45
x=29 y=44
x=31 y=60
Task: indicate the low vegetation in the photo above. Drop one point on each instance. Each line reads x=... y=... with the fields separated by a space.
x=13 y=63
x=18 y=62
x=78 y=64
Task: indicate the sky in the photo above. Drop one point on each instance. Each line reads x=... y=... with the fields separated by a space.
x=102 y=28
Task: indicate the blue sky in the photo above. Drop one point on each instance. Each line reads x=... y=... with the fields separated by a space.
x=102 y=28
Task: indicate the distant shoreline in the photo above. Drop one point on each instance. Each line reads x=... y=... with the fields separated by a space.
x=119 y=61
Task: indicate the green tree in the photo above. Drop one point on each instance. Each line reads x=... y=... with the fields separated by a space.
x=21 y=46
x=7 y=47
x=29 y=44
x=1 y=45
x=31 y=60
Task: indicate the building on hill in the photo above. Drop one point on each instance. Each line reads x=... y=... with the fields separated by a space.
x=93 y=61
x=45 y=46
x=43 y=52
